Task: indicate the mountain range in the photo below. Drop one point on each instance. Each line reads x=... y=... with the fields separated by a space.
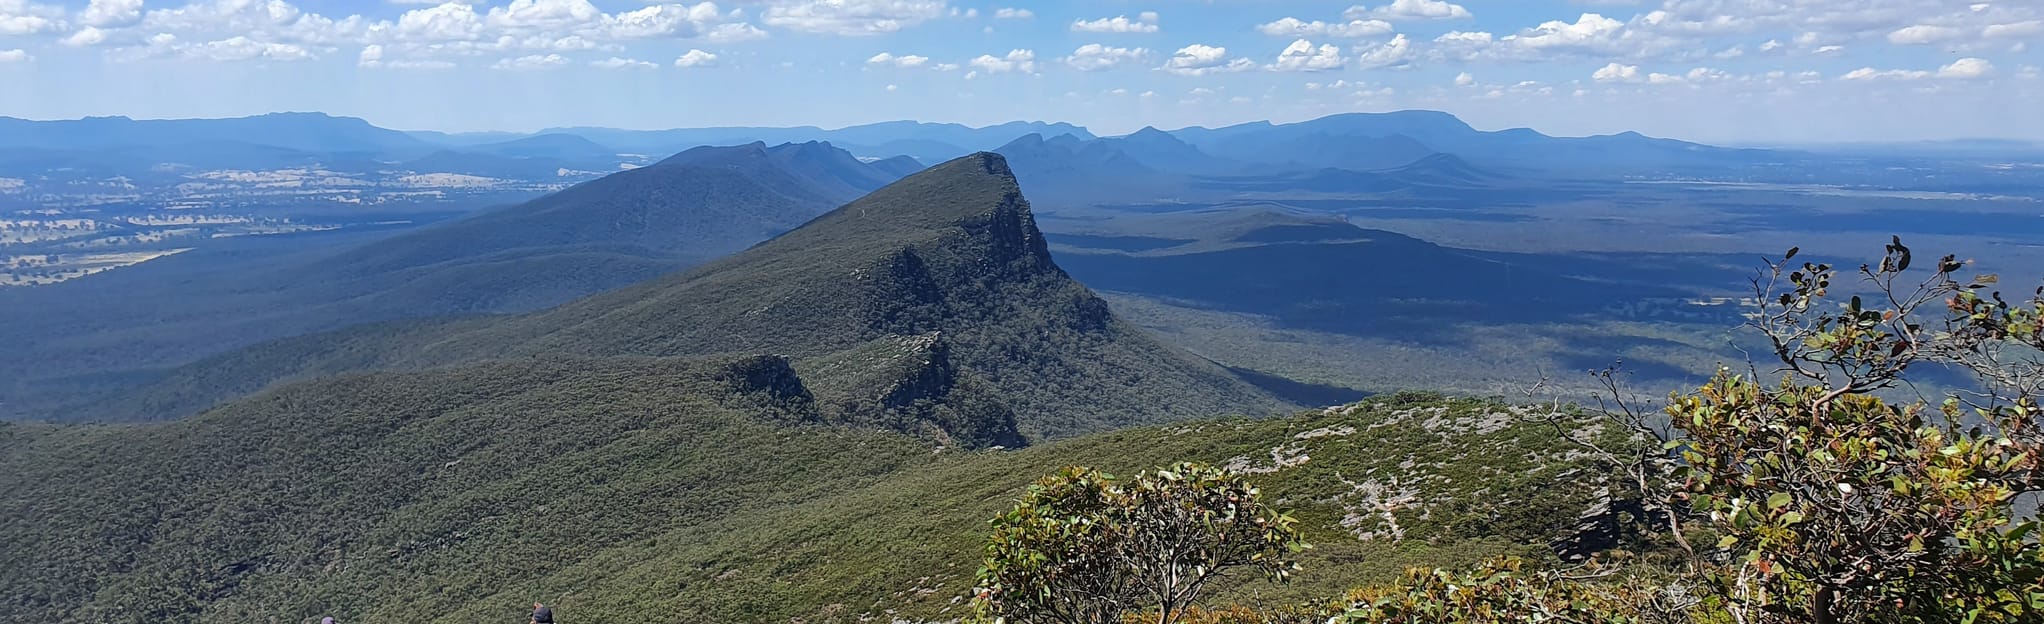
x=758 y=383
x=617 y=230
x=933 y=303
x=1358 y=141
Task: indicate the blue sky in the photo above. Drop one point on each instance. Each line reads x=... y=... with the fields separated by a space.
x=1731 y=71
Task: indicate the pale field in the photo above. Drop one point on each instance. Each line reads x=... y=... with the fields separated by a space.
x=38 y=270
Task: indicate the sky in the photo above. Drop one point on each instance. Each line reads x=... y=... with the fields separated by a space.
x=1724 y=71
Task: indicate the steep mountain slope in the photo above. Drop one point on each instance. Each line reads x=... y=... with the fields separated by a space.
x=607 y=233
x=945 y=268
x=694 y=491
x=697 y=205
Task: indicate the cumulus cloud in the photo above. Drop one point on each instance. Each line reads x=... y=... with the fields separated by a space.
x=695 y=58
x=15 y=56
x=1013 y=14
x=87 y=36
x=623 y=63
x=1962 y=69
x=1145 y=22
x=111 y=13
x=1617 y=72
x=1302 y=56
x=1590 y=35
x=1921 y=34
x=237 y=48
x=1294 y=27
x=1588 y=30
x=21 y=17
x=2016 y=30
x=1097 y=57
x=531 y=62
x=446 y=22
x=1199 y=60
x=903 y=61
x=1410 y=10
x=1464 y=79
x=1398 y=52
x=853 y=17
x=244 y=48
x=1016 y=62
x=1966 y=69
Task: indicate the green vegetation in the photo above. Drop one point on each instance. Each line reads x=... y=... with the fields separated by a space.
x=1083 y=547
x=667 y=490
x=622 y=229
x=1809 y=500
x=949 y=259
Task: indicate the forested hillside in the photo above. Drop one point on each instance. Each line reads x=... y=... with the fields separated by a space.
x=947 y=264
x=661 y=490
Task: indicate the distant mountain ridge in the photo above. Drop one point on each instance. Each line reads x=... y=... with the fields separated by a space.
x=1410 y=135
x=307 y=132
x=1354 y=141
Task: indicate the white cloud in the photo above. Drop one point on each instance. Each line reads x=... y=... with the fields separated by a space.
x=275 y=21
x=1013 y=14
x=1925 y=34
x=1397 y=52
x=446 y=22
x=1302 y=56
x=525 y=16
x=2017 y=30
x=903 y=61
x=623 y=63
x=1143 y=23
x=1589 y=29
x=1097 y=57
x=1966 y=69
x=87 y=36
x=1016 y=62
x=695 y=58
x=1411 y=9
x=244 y=48
x=1464 y=79
x=1617 y=72
x=15 y=56
x=668 y=20
x=21 y=17
x=111 y=13
x=280 y=29
x=1293 y=27
x=853 y=17
x=1199 y=60
x=530 y=62
x=733 y=33
x=1962 y=69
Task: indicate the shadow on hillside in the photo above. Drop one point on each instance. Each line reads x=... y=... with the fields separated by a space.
x=1303 y=393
